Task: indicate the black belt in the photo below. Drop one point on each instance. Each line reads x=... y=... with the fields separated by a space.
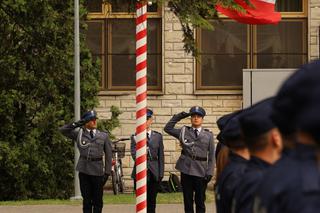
x=91 y=159
x=193 y=157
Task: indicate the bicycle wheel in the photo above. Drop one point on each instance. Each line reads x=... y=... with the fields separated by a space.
x=115 y=185
x=121 y=181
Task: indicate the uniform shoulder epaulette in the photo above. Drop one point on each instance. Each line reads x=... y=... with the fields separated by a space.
x=188 y=127
x=157 y=132
x=103 y=132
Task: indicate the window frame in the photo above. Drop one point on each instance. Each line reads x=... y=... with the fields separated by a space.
x=106 y=14
x=302 y=14
x=304 y=42
x=198 y=75
x=251 y=57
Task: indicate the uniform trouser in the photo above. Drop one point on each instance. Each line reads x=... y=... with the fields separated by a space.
x=193 y=186
x=92 y=191
x=152 y=192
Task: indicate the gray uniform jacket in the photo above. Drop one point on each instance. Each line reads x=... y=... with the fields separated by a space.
x=155 y=155
x=202 y=147
x=91 y=150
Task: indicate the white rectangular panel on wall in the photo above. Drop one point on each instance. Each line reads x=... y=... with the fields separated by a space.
x=259 y=84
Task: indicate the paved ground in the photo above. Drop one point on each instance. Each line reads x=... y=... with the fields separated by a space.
x=124 y=208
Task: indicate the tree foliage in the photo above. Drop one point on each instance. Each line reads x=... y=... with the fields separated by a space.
x=197 y=14
x=36 y=97
x=109 y=124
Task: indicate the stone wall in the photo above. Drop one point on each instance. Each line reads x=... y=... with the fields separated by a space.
x=314 y=29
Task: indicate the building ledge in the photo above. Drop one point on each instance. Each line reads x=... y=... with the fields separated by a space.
x=218 y=92
x=120 y=93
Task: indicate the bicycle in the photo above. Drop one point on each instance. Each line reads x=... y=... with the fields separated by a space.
x=118 y=152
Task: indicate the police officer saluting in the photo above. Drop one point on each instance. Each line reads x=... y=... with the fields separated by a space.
x=155 y=162
x=196 y=162
x=92 y=145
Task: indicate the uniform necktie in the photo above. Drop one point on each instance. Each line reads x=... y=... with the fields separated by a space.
x=91 y=133
x=148 y=136
x=148 y=150
x=196 y=132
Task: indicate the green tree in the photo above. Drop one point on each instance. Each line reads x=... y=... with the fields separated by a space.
x=36 y=97
x=107 y=125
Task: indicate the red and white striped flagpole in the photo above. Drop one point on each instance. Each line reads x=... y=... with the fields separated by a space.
x=141 y=108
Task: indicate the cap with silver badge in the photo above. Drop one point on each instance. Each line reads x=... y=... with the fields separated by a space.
x=89 y=115
x=196 y=110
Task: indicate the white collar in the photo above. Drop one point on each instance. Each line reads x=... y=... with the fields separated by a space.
x=199 y=129
x=149 y=132
x=94 y=130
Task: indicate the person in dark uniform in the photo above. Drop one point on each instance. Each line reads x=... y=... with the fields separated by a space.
x=222 y=151
x=265 y=191
x=221 y=123
x=155 y=162
x=292 y=185
x=196 y=162
x=237 y=162
x=264 y=142
x=93 y=145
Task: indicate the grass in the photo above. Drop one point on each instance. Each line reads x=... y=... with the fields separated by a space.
x=40 y=202
x=163 y=198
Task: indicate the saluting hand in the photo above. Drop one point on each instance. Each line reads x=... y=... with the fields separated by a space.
x=183 y=115
x=79 y=123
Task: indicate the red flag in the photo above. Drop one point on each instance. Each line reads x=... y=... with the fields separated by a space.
x=262 y=12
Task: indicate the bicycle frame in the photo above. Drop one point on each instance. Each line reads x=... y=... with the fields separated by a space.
x=117 y=174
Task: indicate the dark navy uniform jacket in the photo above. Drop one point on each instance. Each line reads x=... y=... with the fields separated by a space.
x=264 y=192
x=292 y=185
x=155 y=159
x=228 y=182
x=249 y=182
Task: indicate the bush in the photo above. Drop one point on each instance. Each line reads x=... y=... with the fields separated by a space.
x=108 y=125
x=36 y=97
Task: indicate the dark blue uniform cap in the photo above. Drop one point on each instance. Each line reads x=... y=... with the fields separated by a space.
x=232 y=130
x=256 y=120
x=196 y=110
x=149 y=113
x=219 y=137
x=89 y=115
x=308 y=119
x=294 y=95
x=222 y=121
